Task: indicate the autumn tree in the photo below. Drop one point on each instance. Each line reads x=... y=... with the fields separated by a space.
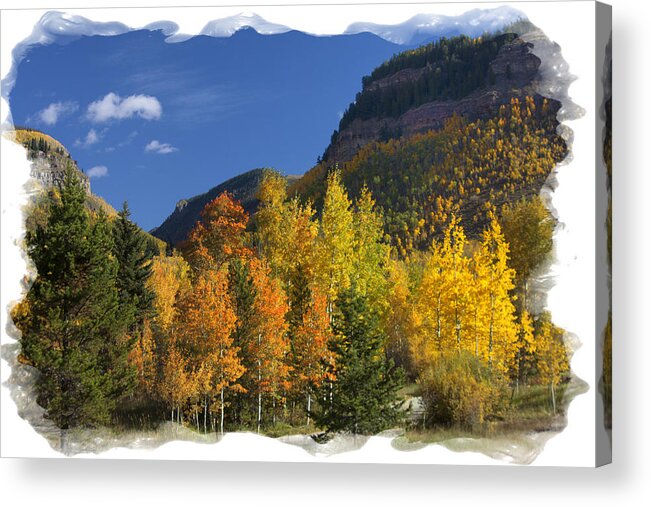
x=444 y=311
x=311 y=336
x=528 y=228
x=336 y=240
x=206 y=321
x=370 y=253
x=495 y=311
x=267 y=350
x=220 y=234
x=170 y=279
x=178 y=384
x=398 y=320
x=552 y=360
x=271 y=223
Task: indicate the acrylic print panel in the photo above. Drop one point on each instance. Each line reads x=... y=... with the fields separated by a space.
x=290 y=293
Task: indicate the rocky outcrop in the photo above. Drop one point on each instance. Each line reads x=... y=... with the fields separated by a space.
x=49 y=169
x=514 y=72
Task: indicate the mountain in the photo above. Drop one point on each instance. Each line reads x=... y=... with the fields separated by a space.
x=50 y=159
x=453 y=127
x=226 y=27
x=417 y=90
x=428 y=27
x=176 y=227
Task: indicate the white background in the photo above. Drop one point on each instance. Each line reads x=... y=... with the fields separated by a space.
x=176 y=483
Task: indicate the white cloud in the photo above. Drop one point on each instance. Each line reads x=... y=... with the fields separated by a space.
x=112 y=106
x=161 y=148
x=51 y=114
x=91 y=138
x=99 y=171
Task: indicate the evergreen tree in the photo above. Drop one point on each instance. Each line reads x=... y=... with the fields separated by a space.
x=70 y=321
x=243 y=295
x=360 y=394
x=134 y=256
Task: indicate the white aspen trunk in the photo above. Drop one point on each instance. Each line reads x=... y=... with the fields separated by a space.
x=259 y=383
x=205 y=415
x=552 y=389
x=438 y=322
x=221 y=421
x=259 y=410
x=490 y=333
x=476 y=337
x=273 y=405
x=309 y=406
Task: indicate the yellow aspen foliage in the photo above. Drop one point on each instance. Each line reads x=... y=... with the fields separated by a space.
x=443 y=301
x=370 y=253
x=336 y=240
x=552 y=359
x=143 y=357
x=496 y=315
x=398 y=319
x=270 y=219
x=169 y=279
x=178 y=385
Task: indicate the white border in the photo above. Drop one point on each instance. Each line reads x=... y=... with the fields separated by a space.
x=571 y=300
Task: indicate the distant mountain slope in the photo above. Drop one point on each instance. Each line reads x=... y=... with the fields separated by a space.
x=425 y=27
x=176 y=227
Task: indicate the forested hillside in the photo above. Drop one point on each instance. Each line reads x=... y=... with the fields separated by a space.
x=333 y=303
x=466 y=168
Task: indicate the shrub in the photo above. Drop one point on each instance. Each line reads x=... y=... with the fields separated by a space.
x=460 y=390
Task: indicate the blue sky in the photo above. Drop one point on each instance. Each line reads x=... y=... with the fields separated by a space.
x=153 y=122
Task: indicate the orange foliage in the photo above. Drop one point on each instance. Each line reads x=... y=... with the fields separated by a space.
x=220 y=235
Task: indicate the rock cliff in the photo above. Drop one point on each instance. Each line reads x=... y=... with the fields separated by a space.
x=513 y=73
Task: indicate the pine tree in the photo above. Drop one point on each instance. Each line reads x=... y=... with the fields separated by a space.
x=72 y=331
x=360 y=395
x=133 y=256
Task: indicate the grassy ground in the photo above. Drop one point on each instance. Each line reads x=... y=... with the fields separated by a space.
x=531 y=411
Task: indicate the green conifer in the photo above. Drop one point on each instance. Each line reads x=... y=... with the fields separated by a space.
x=362 y=397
